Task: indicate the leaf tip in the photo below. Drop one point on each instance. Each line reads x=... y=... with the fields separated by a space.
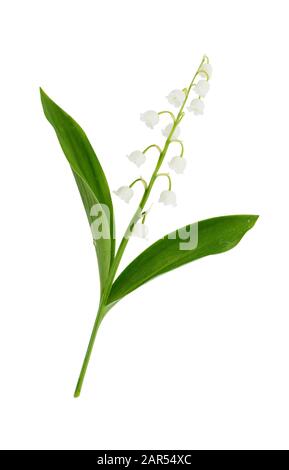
x=43 y=95
x=252 y=219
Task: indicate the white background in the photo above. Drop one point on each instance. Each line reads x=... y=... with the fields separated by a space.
x=197 y=358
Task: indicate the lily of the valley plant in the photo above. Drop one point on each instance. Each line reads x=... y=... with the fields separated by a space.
x=210 y=236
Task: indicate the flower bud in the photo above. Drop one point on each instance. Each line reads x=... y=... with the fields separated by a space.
x=202 y=88
x=137 y=157
x=206 y=71
x=150 y=118
x=176 y=98
x=168 y=198
x=197 y=106
x=178 y=164
x=125 y=193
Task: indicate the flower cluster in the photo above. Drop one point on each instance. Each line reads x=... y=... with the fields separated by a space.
x=177 y=98
x=201 y=89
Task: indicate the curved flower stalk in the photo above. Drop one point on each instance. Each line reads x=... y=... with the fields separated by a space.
x=204 y=238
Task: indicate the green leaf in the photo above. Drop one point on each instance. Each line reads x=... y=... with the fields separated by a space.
x=89 y=177
x=214 y=236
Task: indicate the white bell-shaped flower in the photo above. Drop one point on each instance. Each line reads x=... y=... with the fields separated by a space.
x=202 y=88
x=168 y=198
x=125 y=193
x=178 y=164
x=206 y=71
x=197 y=106
x=150 y=118
x=137 y=157
x=140 y=230
x=176 y=98
x=166 y=131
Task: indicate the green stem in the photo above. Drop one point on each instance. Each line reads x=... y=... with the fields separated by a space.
x=103 y=307
x=167 y=175
x=136 y=181
x=152 y=146
x=168 y=112
x=177 y=141
x=88 y=353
